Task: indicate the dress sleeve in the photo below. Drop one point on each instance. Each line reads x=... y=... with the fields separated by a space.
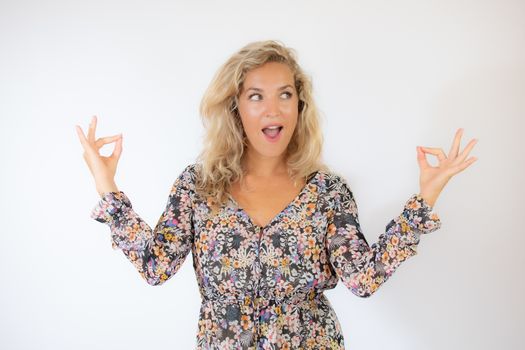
x=363 y=268
x=157 y=254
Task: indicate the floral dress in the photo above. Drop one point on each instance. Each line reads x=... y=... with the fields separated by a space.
x=262 y=287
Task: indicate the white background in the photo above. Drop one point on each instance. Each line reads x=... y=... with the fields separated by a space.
x=387 y=75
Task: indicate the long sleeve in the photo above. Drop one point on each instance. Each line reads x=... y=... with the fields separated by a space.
x=363 y=268
x=157 y=254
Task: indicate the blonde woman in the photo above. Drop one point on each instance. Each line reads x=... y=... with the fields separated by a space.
x=270 y=227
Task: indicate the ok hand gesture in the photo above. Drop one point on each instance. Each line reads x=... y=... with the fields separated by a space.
x=102 y=168
x=432 y=180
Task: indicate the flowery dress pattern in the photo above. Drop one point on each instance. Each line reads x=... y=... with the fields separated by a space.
x=262 y=287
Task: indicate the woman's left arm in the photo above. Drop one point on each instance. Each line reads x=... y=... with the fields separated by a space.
x=363 y=268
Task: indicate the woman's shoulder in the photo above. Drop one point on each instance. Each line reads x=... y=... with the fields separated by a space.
x=334 y=186
x=187 y=176
x=192 y=168
x=331 y=178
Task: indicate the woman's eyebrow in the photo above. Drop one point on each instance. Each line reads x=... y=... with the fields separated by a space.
x=257 y=89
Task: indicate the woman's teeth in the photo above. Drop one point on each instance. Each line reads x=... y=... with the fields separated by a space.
x=273 y=131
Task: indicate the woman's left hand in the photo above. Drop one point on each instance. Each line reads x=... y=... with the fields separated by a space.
x=432 y=180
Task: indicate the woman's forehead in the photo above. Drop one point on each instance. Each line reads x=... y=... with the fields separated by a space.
x=269 y=77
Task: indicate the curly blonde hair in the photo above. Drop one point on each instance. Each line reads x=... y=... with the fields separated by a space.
x=225 y=139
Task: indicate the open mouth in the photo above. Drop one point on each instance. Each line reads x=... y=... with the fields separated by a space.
x=272 y=133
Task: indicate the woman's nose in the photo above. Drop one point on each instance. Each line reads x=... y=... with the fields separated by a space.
x=273 y=106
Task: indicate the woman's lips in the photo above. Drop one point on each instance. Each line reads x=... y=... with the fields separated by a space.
x=273 y=135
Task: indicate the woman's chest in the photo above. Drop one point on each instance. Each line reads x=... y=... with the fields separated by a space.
x=231 y=252
x=262 y=201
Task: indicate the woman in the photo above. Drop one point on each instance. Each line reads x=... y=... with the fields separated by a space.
x=270 y=227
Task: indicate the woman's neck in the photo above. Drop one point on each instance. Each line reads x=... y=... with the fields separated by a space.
x=257 y=165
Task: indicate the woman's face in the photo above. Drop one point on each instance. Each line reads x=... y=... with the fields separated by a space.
x=268 y=98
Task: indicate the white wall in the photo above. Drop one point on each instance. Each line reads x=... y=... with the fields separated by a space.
x=388 y=75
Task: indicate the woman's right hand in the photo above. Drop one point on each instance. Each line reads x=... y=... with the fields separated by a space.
x=102 y=168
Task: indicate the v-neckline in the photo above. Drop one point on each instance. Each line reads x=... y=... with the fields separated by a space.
x=278 y=215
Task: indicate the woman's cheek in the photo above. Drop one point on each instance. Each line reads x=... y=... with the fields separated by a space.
x=290 y=108
x=254 y=110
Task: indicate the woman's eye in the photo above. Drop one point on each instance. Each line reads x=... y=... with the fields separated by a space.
x=289 y=94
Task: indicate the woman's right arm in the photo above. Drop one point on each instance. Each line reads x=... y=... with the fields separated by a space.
x=156 y=253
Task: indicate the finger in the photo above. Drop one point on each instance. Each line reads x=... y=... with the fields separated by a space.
x=455 y=146
x=467 y=150
x=92 y=127
x=421 y=158
x=118 y=149
x=438 y=152
x=465 y=165
x=103 y=140
x=82 y=137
